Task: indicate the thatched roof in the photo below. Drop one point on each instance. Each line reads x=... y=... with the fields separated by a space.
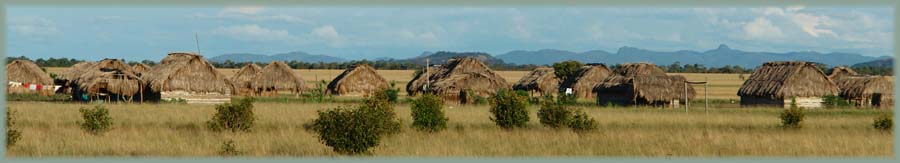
x=27 y=72
x=75 y=71
x=864 y=86
x=840 y=72
x=417 y=83
x=634 y=69
x=588 y=78
x=542 y=79
x=187 y=72
x=788 y=79
x=359 y=79
x=649 y=88
x=466 y=74
x=245 y=75
x=111 y=75
x=278 y=76
x=140 y=68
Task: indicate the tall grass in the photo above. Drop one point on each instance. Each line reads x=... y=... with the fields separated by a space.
x=177 y=130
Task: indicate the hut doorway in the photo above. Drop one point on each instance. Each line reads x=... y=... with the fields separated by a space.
x=876 y=99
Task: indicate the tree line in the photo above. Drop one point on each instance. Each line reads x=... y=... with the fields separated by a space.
x=393 y=64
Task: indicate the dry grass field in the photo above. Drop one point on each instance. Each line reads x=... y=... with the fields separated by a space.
x=51 y=130
x=722 y=86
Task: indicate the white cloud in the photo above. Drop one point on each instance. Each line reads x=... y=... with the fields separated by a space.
x=247 y=10
x=34 y=28
x=761 y=28
x=254 y=33
x=327 y=33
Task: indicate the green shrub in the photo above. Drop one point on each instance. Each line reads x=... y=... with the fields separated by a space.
x=884 y=122
x=477 y=100
x=835 y=101
x=567 y=99
x=428 y=114
x=12 y=135
x=174 y=101
x=792 y=117
x=233 y=116
x=348 y=130
x=509 y=109
x=379 y=108
x=96 y=120
x=318 y=94
x=228 y=149
x=554 y=115
x=581 y=122
x=390 y=93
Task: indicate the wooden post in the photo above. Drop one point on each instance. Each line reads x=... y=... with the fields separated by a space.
x=686 y=103
x=706 y=94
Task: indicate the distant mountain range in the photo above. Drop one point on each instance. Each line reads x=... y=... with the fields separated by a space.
x=881 y=62
x=721 y=56
x=291 y=56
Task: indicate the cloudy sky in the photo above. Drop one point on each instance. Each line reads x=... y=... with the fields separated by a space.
x=136 y=33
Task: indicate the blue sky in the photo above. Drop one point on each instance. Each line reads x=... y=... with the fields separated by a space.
x=136 y=33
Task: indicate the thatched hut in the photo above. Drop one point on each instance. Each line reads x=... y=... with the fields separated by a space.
x=643 y=84
x=25 y=77
x=588 y=78
x=109 y=80
x=776 y=83
x=190 y=77
x=867 y=91
x=358 y=80
x=140 y=68
x=243 y=78
x=420 y=79
x=462 y=78
x=840 y=72
x=541 y=81
x=66 y=79
x=278 y=76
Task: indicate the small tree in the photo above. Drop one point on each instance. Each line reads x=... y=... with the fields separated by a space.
x=428 y=114
x=379 y=108
x=509 y=109
x=233 y=116
x=96 y=120
x=581 y=122
x=347 y=130
x=228 y=149
x=792 y=117
x=566 y=70
x=12 y=135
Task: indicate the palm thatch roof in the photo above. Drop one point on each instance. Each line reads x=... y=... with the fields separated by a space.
x=840 y=72
x=542 y=79
x=140 y=68
x=75 y=71
x=646 y=88
x=864 y=86
x=466 y=75
x=278 y=76
x=417 y=84
x=357 y=80
x=187 y=72
x=642 y=68
x=588 y=78
x=109 y=76
x=244 y=77
x=24 y=71
x=786 y=79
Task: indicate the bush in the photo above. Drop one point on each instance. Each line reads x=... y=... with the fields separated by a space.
x=475 y=99
x=390 y=93
x=12 y=135
x=509 y=109
x=884 y=122
x=428 y=114
x=553 y=114
x=567 y=99
x=835 y=101
x=228 y=149
x=233 y=116
x=792 y=117
x=175 y=101
x=96 y=121
x=581 y=122
x=381 y=110
x=318 y=94
x=347 y=130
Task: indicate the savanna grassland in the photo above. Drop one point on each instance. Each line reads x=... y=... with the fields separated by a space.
x=50 y=129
